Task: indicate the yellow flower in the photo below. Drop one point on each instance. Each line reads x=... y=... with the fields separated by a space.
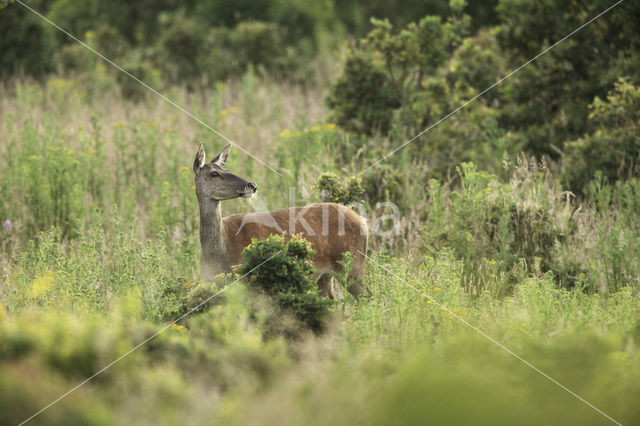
x=184 y=169
x=330 y=126
x=165 y=183
x=233 y=110
x=41 y=285
x=193 y=187
x=224 y=112
x=315 y=129
x=285 y=134
x=178 y=327
x=121 y=124
x=90 y=34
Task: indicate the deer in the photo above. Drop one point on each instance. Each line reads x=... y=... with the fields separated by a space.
x=331 y=229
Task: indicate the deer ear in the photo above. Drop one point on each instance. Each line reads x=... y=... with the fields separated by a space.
x=221 y=158
x=199 y=160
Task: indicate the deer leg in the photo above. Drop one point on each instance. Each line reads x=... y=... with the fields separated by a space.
x=358 y=288
x=356 y=276
x=324 y=286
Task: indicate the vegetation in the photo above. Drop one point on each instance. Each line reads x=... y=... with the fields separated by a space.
x=518 y=215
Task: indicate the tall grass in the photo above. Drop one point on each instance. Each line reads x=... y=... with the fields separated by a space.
x=102 y=250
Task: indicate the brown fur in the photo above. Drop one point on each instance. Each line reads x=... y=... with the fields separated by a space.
x=329 y=248
x=332 y=229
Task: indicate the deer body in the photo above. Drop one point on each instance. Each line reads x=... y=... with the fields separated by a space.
x=332 y=229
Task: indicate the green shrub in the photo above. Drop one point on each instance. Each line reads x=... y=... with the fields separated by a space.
x=489 y=224
x=385 y=183
x=545 y=102
x=27 y=45
x=204 y=294
x=385 y=70
x=399 y=83
x=286 y=275
x=260 y=44
x=363 y=98
x=331 y=190
x=613 y=147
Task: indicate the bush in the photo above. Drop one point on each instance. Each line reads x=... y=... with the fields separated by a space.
x=546 y=101
x=362 y=98
x=385 y=70
x=260 y=44
x=491 y=225
x=612 y=148
x=286 y=275
x=385 y=183
x=333 y=191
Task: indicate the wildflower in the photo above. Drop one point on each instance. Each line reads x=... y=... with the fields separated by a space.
x=41 y=285
x=315 y=129
x=233 y=110
x=224 y=112
x=285 y=134
x=330 y=126
x=165 y=183
x=7 y=224
x=184 y=169
x=178 y=327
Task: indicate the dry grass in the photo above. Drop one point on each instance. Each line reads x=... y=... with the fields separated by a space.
x=249 y=111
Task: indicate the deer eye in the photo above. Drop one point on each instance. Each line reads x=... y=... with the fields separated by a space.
x=215 y=174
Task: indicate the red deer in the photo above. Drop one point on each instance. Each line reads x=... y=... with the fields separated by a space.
x=332 y=229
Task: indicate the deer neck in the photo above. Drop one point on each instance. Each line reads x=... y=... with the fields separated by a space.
x=213 y=250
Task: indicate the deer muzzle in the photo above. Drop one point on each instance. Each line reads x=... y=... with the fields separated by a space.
x=250 y=189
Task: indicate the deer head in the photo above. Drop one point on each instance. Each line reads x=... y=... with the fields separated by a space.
x=214 y=182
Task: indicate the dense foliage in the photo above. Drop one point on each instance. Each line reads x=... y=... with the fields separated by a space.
x=399 y=82
x=284 y=272
x=518 y=215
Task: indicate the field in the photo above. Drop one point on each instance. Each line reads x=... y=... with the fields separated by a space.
x=505 y=278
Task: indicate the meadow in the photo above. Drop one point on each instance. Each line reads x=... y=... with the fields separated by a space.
x=508 y=292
